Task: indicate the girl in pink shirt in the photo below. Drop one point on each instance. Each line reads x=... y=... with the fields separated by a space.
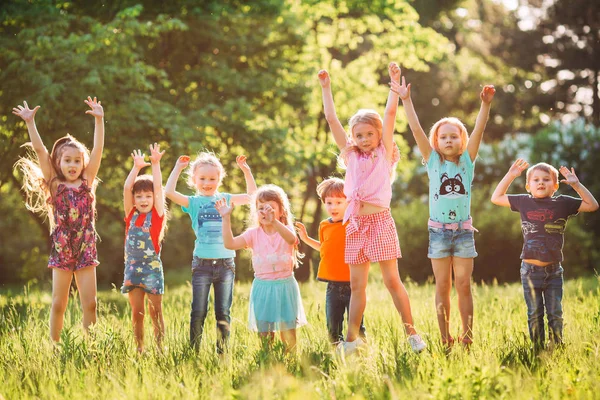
x=275 y=302
x=370 y=156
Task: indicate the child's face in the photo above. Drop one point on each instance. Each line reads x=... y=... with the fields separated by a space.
x=448 y=141
x=143 y=201
x=263 y=212
x=71 y=163
x=207 y=179
x=336 y=207
x=541 y=184
x=366 y=137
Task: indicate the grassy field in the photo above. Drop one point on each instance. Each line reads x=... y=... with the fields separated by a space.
x=105 y=364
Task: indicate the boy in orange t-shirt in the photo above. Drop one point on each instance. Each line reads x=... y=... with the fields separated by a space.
x=331 y=244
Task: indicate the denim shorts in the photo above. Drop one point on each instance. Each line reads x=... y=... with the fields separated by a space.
x=451 y=243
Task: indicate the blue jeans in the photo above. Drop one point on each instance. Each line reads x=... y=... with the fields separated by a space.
x=221 y=274
x=543 y=286
x=337 y=302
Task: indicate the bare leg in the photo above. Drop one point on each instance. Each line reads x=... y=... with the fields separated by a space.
x=267 y=337
x=136 y=300
x=391 y=278
x=86 y=285
x=61 y=283
x=359 y=275
x=463 y=270
x=158 y=322
x=288 y=337
x=442 y=270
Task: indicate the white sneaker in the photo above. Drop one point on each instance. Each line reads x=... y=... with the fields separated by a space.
x=348 y=348
x=416 y=343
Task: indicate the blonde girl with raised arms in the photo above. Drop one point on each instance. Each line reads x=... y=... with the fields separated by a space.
x=62 y=185
x=450 y=156
x=275 y=302
x=213 y=264
x=370 y=156
x=145 y=225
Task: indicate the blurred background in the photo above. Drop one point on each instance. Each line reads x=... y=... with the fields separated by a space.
x=239 y=77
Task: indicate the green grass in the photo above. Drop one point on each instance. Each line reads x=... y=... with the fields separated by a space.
x=106 y=365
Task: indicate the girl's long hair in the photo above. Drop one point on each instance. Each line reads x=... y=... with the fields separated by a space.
x=362 y=116
x=39 y=194
x=434 y=132
x=145 y=183
x=275 y=193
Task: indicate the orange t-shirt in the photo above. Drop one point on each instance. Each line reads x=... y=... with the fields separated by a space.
x=155 y=228
x=332 y=267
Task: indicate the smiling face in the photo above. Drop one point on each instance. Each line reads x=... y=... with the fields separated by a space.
x=143 y=201
x=541 y=184
x=366 y=137
x=336 y=207
x=207 y=179
x=71 y=163
x=449 y=141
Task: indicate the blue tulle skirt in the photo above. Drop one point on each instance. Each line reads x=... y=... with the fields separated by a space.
x=275 y=305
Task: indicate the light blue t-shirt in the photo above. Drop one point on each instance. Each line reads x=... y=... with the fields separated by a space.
x=207 y=224
x=450 y=188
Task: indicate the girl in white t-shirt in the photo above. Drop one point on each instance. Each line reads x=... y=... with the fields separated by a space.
x=275 y=302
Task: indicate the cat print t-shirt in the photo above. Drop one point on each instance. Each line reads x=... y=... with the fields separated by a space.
x=543 y=222
x=207 y=224
x=450 y=188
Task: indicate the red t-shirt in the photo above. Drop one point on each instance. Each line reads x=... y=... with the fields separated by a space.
x=155 y=228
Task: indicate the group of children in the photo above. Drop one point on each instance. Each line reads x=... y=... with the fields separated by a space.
x=360 y=228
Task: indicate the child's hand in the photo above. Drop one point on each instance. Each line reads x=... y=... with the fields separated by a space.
x=155 y=153
x=403 y=89
x=487 y=93
x=518 y=167
x=182 y=162
x=24 y=112
x=138 y=159
x=394 y=71
x=570 y=177
x=301 y=229
x=241 y=162
x=266 y=216
x=96 y=107
x=324 y=78
x=223 y=208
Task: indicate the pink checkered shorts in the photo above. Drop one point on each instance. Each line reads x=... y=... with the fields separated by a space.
x=371 y=238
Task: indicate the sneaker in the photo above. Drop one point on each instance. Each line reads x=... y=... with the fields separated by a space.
x=348 y=348
x=416 y=343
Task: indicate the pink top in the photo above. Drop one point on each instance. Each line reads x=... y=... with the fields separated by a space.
x=272 y=256
x=368 y=178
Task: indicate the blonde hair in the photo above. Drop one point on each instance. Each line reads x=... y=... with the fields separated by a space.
x=331 y=187
x=434 y=133
x=145 y=183
x=542 y=167
x=362 y=116
x=39 y=194
x=204 y=158
x=275 y=193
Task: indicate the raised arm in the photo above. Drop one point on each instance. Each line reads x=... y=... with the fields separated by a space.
x=96 y=155
x=499 y=196
x=230 y=242
x=588 y=201
x=244 y=198
x=389 y=116
x=138 y=165
x=337 y=130
x=28 y=116
x=413 y=121
x=486 y=95
x=303 y=234
x=171 y=186
x=159 y=200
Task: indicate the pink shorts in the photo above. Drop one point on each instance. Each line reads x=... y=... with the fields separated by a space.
x=371 y=238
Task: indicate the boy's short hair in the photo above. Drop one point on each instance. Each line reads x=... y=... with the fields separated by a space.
x=543 y=167
x=331 y=187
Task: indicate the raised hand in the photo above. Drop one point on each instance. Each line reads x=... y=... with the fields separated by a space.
x=138 y=159
x=394 y=71
x=241 y=162
x=324 y=78
x=266 y=215
x=403 y=89
x=570 y=177
x=301 y=229
x=183 y=161
x=487 y=93
x=518 y=167
x=96 y=107
x=155 y=153
x=222 y=208
x=25 y=112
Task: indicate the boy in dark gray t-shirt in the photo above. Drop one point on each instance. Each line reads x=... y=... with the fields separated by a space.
x=543 y=221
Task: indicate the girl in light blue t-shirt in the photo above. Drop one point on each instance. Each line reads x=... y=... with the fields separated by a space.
x=450 y=155
x=212 y=263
